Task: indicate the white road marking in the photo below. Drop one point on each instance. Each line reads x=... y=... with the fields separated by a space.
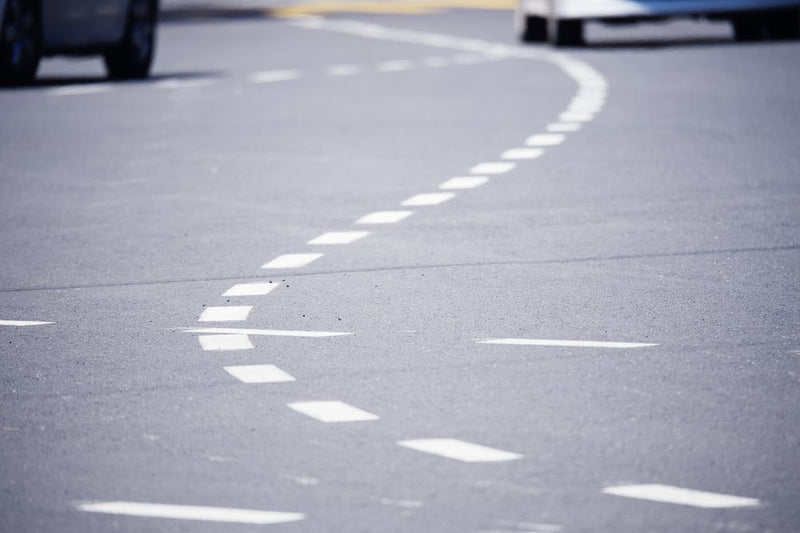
x=464 y=182
x=567 y=344
x=384 y=217
x=270 y=76
x=545 y=139
x=395 y=66
x=459 y=450
x=339 y=237
x=23 y=323
x=571 y=116
x=292 y=260
x=250 y=289
x=190 y=83
x=79 y=90
x=213 y=343
x=435 y=62
x=493 y=168
x=189 y=512
x=258 y=374
x=403 y=504
x=522 y=153
x=332 y=411
x=268 y=332
x=342 y=70
x=564 y=126
x=231 y=313
x=681 y=496
x=431 y=198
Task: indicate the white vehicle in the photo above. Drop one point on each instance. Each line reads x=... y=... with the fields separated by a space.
x=123 y=31
x=561 y=21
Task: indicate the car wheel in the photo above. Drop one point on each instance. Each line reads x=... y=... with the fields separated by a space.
x=565 y=32
x=784 y=24
x=531 y=29
x=132 y=57
x=20 y=43
x=750 y=27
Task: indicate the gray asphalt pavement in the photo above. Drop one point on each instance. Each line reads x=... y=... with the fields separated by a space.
x=590 y=331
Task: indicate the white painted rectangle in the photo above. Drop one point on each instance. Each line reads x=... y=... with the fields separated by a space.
x=225 y=342
x=459 y=450
x=564 y=343
x=564 y=126
x=681 y=496
x=292 y=260
x=23 y=323
x=258 y=374
x=250 y=289
x=271 y=76
x=189 y=512
x=431 y=198
x=231 y=313
x=339 y=237
x=545 y=139
x=572 y=116
x=384 y=217
x=493 y=168
x=268 y=332
x=522 y=153
x=464 y=182
x=332 y=411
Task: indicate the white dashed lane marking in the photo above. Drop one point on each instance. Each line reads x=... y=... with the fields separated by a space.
x=232 y=313
x=464 y=182
x=431 y=198
x=564 y=127
x=259 y=374
x=493 y=168
x=332 y=411
x=23 y=323
x=342 y=70
x=459 y=450
x=339 y=237
x=292 y=260
x=268 y=332
x=522 y=153
x=189 y=512
x=78 y=90
x=545 y=139
x=395 y=66
x=384 y=217
x=271 y=76
x=219 y=343
x=250 y=289
x=184 y=84
x=681 y=496
x=566 y=344
x=570 y=116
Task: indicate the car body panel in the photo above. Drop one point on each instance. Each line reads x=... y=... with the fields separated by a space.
x=610 y=9
x=82 y=23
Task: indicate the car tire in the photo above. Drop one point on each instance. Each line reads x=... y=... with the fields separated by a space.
x=750 y=27
x=20 y=43
x=133 y=56
x=565 y=32
x=532 y=29
x=784 y=24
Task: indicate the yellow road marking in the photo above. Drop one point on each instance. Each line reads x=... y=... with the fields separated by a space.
x=402 y=7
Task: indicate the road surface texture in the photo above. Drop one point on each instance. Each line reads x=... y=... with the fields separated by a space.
x=393 y=272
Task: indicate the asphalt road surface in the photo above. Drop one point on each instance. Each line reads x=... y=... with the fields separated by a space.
x=380 y=272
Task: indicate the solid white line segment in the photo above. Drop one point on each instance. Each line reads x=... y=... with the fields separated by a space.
x=231 y=313
x=459 y=450
x=332 y=411
x=292 y=260
x=23 y=323
x=250 y=289
x=545 y=139
x=681 y=496
x=432 y=198
x=268 y=332
x=218 y=343
x=464 y=182
x=492 y=168
x=522 y=153
x=339 y=237
x=189 y=512
x=270 y=76
x=258 y=374
x=567 y=344
x=384 y=217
